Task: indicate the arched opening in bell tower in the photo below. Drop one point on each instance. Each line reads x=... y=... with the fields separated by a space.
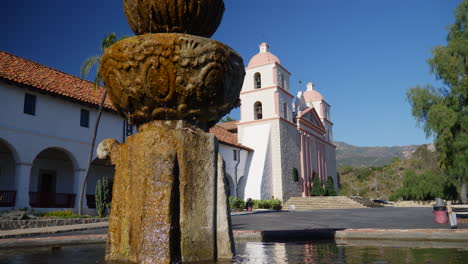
x=258 y=111
x=257 y=80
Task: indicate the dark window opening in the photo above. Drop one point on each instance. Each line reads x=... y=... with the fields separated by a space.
x=258 y=111
x=84 y=118
x=234 y=152
x=280 y=82
x=29 y=104
x=285 y=111
x=257 y=80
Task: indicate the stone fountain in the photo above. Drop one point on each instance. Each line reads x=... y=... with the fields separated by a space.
x=173 y=82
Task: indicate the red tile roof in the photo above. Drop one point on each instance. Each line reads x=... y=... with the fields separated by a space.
x=229 y=126
x=23 y=72
x=227 y=137
x=26 y=73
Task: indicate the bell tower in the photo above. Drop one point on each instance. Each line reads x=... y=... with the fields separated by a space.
x=266 y=117
x=265 y=93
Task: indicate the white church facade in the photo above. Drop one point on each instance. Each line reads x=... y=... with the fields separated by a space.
x=287 y=133
x=47 y=118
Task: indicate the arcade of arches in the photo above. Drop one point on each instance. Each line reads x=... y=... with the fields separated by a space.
x=50 y=181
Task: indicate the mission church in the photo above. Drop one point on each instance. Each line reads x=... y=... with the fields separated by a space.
x=285 y=134
x=46 y=132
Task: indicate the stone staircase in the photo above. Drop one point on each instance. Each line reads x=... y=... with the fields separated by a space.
x=325 y=202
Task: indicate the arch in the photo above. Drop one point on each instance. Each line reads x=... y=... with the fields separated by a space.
x=8 y=160
x=10 y=147
x=258 y=111
x=98 y=170
x=52 y=179
x=257 y=80
x=231 y=185
x=242 y=182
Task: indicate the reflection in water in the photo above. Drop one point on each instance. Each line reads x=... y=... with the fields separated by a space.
x=263 y=252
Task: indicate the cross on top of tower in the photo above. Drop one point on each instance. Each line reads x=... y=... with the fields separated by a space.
x=264 y=47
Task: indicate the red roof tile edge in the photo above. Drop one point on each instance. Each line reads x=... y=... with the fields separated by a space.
x=32 y=75
x=226 y=137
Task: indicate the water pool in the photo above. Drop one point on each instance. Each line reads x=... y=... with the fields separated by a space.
x=265 y=252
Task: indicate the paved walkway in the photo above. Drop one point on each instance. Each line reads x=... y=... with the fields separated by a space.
x=367 y=223
x=47 y=231
x=381 y=218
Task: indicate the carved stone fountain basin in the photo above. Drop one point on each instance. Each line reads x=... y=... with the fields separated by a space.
x=171 y=76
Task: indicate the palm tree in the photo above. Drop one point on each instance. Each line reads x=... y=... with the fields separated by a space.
x=88 y=64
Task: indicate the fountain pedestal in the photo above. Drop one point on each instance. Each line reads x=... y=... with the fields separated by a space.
x=169 y=199
x=166 y=198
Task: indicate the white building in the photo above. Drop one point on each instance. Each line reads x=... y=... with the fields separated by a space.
x=47 y=118
x=283 y=138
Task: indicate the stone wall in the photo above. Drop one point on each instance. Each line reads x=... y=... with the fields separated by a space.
x=33 y=223
x=290 y=158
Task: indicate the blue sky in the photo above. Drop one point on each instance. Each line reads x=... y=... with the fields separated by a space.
x=362 y=55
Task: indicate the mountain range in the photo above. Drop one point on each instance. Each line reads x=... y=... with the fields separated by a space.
x=349 y=155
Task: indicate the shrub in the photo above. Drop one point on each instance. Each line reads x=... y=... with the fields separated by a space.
x=264 y=204
x=62 y=214
x=329 y=188
x=295 y=174
x=276 y=204
x=425 y=186
x=267 y=204
x=317 y=188
x=236 y=203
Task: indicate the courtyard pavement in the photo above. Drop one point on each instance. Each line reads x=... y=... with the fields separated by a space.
x=381 y=218
x=388 y=223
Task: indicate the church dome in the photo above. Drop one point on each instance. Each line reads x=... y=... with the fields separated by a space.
x=312 y=95
x=263 y=57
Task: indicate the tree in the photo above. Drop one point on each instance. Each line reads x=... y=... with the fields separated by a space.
x=443 y=112
x=88 y=64
x=329 y=188
x=317 y=187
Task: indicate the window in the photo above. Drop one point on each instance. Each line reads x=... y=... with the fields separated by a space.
x=257 y=80
x=84 y=118
x=281 y=80
x=285 y=111
x=234 y=152
x=29 y=104
x=258 y=111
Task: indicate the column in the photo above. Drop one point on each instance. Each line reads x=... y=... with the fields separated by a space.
x=301 y=135
x=22 y=179
x=319 y=163
x=78 y=178
x=307 y=164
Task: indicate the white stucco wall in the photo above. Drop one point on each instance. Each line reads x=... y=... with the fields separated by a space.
x=56 y=124
x=58 y=163
x=248 y=100
x=257 y=137
x=235 y=169
x=267 y=77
